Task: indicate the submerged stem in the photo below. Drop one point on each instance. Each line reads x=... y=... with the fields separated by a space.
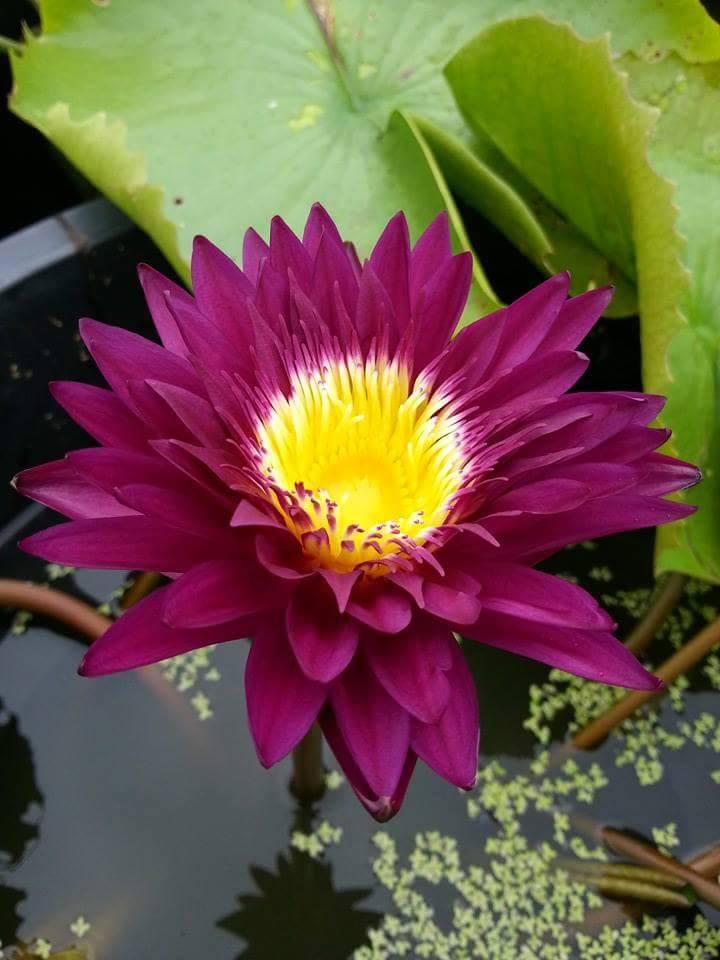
x=143 y=584
x=622 y=871
x=308 y=779
x=55 y=604
x=645 y=853
x=623 y=889
x=663 y=603
x=682 y=661
x=708 y=862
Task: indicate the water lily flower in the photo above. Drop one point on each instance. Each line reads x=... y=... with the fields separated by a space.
x=317 y=464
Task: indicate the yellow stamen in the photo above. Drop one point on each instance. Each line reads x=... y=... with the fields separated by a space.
x=360 y=462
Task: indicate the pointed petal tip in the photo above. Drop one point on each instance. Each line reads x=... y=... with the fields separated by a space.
x=266 y=762
x=87 y=326
x=382 y=810
x=398 y=218
x=645 y=681
x=88 y=668
x=145 y=271
x=201 y=242
x=27 y=545
x=440 y=223
x=694 y=477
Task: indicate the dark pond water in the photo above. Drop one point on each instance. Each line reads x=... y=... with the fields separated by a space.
x=121 y=805
x=141 y=807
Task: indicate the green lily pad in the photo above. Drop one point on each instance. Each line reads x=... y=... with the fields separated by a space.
x=208 y=118
x=479 y=173
x=484 y=179
x=608 y=163
x=682 y=360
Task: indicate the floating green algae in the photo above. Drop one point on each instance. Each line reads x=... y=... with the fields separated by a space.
x=516 y=904
x=644 y=739
x=517 y=907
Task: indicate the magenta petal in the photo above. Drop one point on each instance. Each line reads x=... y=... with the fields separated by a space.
x=255 y=250
x=219 y=286
x=279 y=553
x=59 y=486
x=319 y=222
x=528 y=319
x=110 y=468
x=540 y=378
x=248 y=515
x=439 y=307
x=154 y=412
x=156 y=287
x=374 y=314
x=411 y=582
x=598 y=518
x=323 y=640
x=538 y=597
x=382 y=808
x=595 y=655
x=282 y=703
x=472 y=350
x=341 y=585
x=382 y=607
x=288 y=254
x=119 y=543
x=186 y=466
x=334 y=280
x=663 y=474
x=122 y=356
x=213 y=345
x=193 y=411
x=375 y=728
x=431 y=252
x=390 y=259
x=450 y=746
x=576 y=318
x=453 y=600
x=405 y=666
x=544 y=496
x=220 y=590
x=141 y=637
x=101 y=414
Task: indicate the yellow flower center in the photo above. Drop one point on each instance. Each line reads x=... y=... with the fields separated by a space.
x=361 y=466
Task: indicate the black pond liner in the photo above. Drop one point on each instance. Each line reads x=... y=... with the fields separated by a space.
x=117 y=801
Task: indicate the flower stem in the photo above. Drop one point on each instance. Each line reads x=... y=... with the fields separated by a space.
x=663 y=603
x=682 y=661
x=646 y=854
x=308 y=779
x=55 y=604
x=622 y=871
x=708 y=862
x=622 y=888
x=143 y=584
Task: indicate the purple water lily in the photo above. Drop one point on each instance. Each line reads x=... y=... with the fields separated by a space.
x=317 y=464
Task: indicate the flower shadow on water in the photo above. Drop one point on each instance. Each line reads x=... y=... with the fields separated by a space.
x=297 y=912
x=19 y=794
